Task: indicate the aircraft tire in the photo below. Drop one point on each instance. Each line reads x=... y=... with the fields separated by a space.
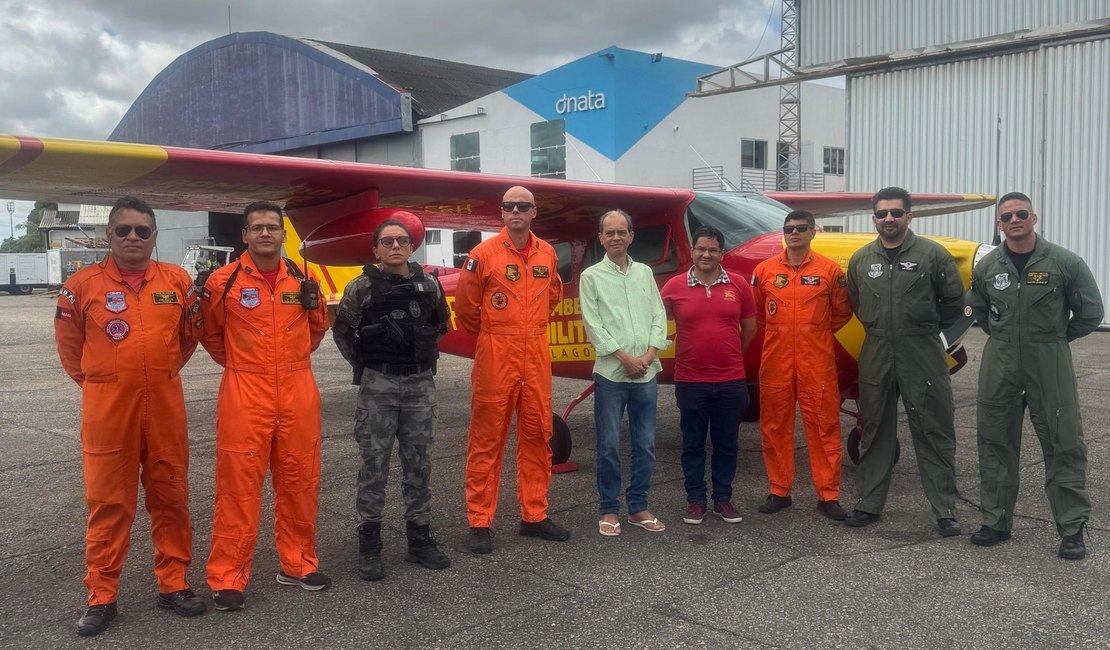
x=853 y=446
x=560 y=440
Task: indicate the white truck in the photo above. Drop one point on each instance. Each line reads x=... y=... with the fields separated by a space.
x=21 y=273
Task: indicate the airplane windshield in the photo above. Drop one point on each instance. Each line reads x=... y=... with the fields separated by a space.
x=739 y=216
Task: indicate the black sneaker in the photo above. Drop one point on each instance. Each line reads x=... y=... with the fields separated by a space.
x=314 y=581
x=773 y=503
x=228 y=600
x=183 y=603
x=96 y=619
x=859 y=519
x=948 y=527
x=480 y=540
x=545 y=529
x=832 y=510
x=988 y=536
x=1072 y=546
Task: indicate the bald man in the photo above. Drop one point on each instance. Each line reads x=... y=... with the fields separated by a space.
x=507 y=289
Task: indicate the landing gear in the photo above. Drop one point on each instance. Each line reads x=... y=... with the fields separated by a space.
x=853 y=446
x=560 y=436
x=560 y=440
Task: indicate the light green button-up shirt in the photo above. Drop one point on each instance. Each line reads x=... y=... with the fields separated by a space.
x=622 y=311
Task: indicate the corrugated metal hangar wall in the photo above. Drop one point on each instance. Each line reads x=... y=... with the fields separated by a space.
x=1034 y=119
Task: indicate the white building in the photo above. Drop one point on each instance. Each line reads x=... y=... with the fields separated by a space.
x=624 y=116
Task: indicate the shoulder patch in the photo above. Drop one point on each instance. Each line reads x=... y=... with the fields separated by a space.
x=68 y=295
x=206 y=294
x=471 y=264
x=842 y=280
x=63 y=314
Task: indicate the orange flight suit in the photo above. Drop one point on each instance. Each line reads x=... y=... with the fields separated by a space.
x=125 y=348
x=505 y=299
x=798 y=310
x=267 y=415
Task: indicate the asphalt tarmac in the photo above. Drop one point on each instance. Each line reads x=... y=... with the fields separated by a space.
x=793 y=579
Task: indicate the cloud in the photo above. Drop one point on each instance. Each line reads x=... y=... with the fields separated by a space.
x=71 y=68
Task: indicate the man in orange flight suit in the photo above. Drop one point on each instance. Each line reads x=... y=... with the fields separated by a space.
x=123 y=334
x=507 y=289
x=801 y=300
x=262 y=319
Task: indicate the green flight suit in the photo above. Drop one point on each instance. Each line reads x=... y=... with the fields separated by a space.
x=1031 y=318
x=903 y=307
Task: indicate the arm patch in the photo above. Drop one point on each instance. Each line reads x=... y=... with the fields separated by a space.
x=471 y=264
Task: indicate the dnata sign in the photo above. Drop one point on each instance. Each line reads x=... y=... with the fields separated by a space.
x=588 y=102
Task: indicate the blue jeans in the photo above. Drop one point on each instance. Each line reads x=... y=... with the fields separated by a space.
x=610 y=400
x=716 y=409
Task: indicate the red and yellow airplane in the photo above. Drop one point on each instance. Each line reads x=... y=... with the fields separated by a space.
x=334 y=207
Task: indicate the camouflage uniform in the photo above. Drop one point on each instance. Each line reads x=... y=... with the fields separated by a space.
x=390 y=405
x=403 y=408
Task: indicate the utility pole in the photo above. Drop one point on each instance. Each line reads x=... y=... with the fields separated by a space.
x=11 y=217
x=789 y=150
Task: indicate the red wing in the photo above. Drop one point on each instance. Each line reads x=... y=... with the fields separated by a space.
x=74 y=171
x=835 y=204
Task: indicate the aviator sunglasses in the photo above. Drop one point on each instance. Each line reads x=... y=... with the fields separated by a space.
x=521 y=206
x=790 y=229
x=896 y=213
x=142 y=232
x=1020 y=214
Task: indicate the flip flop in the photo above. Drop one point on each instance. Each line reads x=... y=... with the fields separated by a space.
x=609 y=528
x=652 y=525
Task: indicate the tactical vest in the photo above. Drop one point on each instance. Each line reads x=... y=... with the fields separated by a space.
x=396 y=324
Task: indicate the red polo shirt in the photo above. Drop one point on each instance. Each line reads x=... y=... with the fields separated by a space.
x=707 y=320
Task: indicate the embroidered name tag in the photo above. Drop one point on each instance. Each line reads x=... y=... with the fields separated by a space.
x=540 y=272
x=290 y=298
x=811 y=280
x=907 y=266
x=1036 y=277
x=165 y=298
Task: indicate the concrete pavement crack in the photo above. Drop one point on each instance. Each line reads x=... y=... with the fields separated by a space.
x=669 y=611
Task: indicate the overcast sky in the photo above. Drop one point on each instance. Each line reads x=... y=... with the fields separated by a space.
x=71 y=68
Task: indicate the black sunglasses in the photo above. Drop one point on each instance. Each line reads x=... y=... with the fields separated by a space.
x=1020 y=214
x=896 y=213
x=401 y=240
x=521 y=206
x=142 y=232
x=789 y=229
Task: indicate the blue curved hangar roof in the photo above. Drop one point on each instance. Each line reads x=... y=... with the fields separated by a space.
x=266 y=93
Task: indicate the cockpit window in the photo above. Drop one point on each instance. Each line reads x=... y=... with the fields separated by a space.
x=739 y=216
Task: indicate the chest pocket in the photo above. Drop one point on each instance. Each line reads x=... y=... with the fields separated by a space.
x=816 y=304
x=919 y=304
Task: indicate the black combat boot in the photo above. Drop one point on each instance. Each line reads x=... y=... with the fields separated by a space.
x=423 y=549
x=370 y=551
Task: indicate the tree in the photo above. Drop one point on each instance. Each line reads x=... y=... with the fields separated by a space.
x=31 y=240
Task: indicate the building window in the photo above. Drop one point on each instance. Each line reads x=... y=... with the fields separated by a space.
x=753 y=154
x=549 y=149
x=466 y=153
x=431 y=236
x=834 y=161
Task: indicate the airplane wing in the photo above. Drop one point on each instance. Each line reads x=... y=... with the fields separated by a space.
x=837 y=204
x=314 y=191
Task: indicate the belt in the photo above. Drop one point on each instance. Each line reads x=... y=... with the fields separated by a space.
x=400 y=369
